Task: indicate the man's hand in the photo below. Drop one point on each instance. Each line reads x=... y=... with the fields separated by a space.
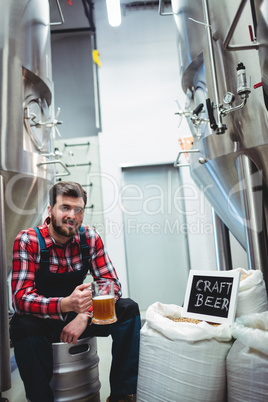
x=74 y=329
x=79 y=301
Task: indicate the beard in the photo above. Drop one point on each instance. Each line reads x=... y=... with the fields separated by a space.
x=66 y=231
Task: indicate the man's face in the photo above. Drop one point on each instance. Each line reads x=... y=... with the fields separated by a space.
x=67 y=215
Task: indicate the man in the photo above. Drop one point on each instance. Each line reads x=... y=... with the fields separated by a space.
x=52 y=304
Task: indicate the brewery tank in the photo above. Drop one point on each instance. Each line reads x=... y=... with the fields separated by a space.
x=26 y=121
x=223 y=60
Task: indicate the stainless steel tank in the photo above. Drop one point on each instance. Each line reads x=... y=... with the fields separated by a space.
x=26 y=121
x=228 y=158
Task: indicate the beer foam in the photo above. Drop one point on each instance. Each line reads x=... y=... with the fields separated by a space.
x=103 y=297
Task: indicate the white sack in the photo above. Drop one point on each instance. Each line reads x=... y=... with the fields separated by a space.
x=252 y=331
x=252 y=295
x=156 y=317
x=181 y=361
x=247 y=361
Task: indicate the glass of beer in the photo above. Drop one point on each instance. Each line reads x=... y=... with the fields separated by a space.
x=103 y=302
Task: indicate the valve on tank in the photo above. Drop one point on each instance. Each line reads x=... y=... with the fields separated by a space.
x=194 y=116
x=243 y=88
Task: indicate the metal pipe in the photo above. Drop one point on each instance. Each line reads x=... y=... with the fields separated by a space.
x=5 y=373
x=96 y=88
x=77 y=145
x=67 y=173
x=160 y=9
x=78 y=164
x=231 y=30
x=222 y=243
x=90 y=206
x=224 y=112
x=221 y=127
x=87 y=185
x=242 y=47
x=72 y=31
x=177 y=164
x=61 y=15
x=251 y=189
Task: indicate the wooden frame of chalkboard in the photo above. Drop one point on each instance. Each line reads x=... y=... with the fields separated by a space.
x=212 y=296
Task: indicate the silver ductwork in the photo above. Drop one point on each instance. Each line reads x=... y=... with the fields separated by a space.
x=26 y=122
x=223 y=64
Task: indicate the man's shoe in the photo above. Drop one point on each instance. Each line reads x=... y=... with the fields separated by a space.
x=121 y=398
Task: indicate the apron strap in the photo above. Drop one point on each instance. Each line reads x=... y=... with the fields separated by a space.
x=84 y=249
x=44 y=251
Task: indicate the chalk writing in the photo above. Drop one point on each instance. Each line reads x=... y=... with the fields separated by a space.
x=210 y=295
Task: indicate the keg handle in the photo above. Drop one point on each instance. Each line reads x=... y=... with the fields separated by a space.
x=78 y=349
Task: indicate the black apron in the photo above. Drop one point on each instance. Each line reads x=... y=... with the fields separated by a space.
x=50 y=284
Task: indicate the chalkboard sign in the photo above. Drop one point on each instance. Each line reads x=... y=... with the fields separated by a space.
x=212 y=295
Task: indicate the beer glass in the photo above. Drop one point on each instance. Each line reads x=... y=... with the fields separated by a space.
x=103 y=302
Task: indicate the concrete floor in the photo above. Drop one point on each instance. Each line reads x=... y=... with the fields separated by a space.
x=16 y=393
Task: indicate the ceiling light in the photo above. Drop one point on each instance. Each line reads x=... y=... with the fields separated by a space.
x=114 y=12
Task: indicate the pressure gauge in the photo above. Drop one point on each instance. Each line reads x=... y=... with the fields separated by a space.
x=228 y=98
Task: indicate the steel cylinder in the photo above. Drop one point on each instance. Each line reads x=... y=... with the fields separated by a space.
x=75 y=371
x=26 y=93
x=246 y=127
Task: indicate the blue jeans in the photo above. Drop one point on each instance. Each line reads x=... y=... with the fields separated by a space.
x=32 y=338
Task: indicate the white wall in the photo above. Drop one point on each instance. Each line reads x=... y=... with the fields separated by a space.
x=139 y=81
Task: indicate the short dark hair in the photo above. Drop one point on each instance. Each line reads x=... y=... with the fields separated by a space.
x=67 y=188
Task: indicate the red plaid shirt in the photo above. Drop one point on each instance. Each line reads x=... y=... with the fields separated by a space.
x=26 y=261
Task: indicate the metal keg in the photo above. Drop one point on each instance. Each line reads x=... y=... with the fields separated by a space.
x=76 y=371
